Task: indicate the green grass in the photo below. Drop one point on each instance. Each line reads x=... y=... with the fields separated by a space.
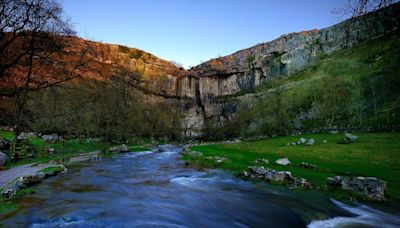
x=52 y=169
x=74 y=147
x=375 y=154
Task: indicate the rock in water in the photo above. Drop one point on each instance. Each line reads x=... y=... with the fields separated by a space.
x=350 y=137
x=310 y=142
x=3 y=159
x=282 y=161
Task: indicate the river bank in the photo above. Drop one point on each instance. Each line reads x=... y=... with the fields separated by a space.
x=372 y=155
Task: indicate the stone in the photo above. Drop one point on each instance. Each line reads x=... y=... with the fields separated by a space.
x=293 y=144
x=3 y=159
x=278 y=176
x=370 y=187
x=26 y=135
x=334 y=181
x=261 y=161
x=257 y=170
x=119 y=149
x=123 y=148
x=302 y=140
x=350 y=137
x=4 y=144
x=216 y=159
x=194 y=153
x=307 y=165
x=50 y=150
x=282 y=161
x=310 y=142
x=301 y=182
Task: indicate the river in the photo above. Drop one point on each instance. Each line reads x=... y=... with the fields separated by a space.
x=148 y=189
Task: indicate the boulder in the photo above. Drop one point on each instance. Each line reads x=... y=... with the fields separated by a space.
x=273 y=175
x=26 y=135
x=310 y=142
x=301 y=182
x=216 y=159
x=123 y=148
x=261 y=161
x=282 y=161
x=307 y=165
x=370 y=187
x=302 y=140
x=4 y=144
x=194 y=153
x=257 y=170
x=119 y=149
x=350 y=137
x=3 y=159
x=50 y=150
x=334 y=181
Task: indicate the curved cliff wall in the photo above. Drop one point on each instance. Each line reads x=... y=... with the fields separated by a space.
x=242 y=71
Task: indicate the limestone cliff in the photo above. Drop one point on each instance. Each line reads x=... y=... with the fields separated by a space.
x=242 y=71
x=197 y=92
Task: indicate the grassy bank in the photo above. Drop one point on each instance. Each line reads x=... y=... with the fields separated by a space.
x=375 y=154
x=72 y=147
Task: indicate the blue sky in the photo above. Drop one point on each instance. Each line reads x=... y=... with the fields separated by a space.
x=190 y=31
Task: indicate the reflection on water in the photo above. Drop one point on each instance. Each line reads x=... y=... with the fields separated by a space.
x=156 y=189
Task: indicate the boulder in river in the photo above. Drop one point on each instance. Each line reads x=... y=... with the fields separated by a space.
x=3 y=159
x=282 y=161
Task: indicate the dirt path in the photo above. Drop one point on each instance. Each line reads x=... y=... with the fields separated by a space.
x=17 y=171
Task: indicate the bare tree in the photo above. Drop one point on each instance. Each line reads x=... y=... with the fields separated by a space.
x=356 y=8
x=35 y=51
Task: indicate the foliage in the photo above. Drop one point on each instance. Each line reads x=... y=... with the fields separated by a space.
x=378 y=153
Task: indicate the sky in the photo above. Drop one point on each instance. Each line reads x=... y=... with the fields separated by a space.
x=192 y=31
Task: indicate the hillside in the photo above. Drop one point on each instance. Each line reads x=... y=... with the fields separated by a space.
x=212 y=95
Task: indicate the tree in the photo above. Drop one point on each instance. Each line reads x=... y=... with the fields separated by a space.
x=35 y=45
x=356 y=8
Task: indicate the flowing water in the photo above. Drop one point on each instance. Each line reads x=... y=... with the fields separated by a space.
x=146 y=189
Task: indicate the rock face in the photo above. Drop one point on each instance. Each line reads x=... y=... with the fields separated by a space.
x=370 y=187
x=219 y=84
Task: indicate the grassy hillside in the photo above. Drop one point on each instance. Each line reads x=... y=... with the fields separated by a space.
x=352 y=88
x=375 y=154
